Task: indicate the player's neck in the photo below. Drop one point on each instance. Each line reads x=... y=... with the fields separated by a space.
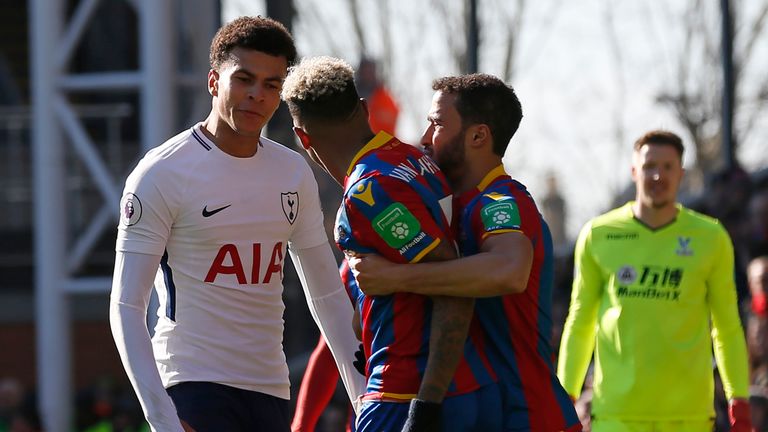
x=472 y=173
x=228 y=140
x=654 y=217
x=347 y=153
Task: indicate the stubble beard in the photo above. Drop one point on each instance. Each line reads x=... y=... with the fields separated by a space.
x=452 y=158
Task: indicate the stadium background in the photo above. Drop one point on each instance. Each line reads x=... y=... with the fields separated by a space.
x=134 y=74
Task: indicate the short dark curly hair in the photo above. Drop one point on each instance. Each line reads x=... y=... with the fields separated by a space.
x=254 y=33
x=485 y=99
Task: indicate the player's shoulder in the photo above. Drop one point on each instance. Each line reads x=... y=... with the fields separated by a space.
x=285 y=156
x=177 y=154
x=700 y=221
x=280 y=150
x=615 y=219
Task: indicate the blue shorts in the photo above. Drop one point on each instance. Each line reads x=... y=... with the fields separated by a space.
x=477 y=411
x=212 y=407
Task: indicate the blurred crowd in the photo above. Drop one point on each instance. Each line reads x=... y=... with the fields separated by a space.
x=102 y=407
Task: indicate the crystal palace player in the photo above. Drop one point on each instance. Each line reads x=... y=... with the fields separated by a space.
x=215 y=208
x=396 y=203
x=506 y=246
x=653 y=295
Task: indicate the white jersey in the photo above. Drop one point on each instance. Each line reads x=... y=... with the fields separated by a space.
x=222 y=225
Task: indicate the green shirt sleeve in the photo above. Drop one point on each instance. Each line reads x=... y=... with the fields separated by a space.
x=578 y=341
x=727 y=332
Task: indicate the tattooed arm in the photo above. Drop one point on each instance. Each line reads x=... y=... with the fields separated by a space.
x=448 y=333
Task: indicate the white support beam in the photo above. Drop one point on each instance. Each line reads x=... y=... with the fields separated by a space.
x=88 y=285
x=77 y=26
x=128 y=80
x=54 y=371
x=87 y=152
x=158 y=96
x=85 y=242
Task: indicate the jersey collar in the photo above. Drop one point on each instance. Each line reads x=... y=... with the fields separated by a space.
x=491 y=176
x=379 y=140
x=631 y=214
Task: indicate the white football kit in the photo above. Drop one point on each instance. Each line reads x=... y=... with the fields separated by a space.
x=222 y=226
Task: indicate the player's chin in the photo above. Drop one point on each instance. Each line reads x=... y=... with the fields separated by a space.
x=249 y=129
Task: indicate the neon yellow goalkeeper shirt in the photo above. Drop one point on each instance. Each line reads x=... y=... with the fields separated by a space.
x=644 y=299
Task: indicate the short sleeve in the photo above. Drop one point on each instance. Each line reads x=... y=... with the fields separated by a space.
x=496 y=213
x=390 y=217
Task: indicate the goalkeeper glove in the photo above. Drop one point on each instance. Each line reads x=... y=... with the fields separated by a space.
x=423 y=416
x=738 y=412
x=359 y=361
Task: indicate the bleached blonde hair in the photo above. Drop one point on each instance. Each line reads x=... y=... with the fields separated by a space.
x=320 y=87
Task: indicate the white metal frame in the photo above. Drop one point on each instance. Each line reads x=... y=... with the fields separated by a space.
x=53 y=42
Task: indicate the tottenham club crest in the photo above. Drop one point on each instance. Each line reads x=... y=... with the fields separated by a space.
x=130 y=209
x=290 y=201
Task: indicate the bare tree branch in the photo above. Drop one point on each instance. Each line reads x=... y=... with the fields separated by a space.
x=754 y=34
x=355 y=16
x=617 y=58
x=455 y=39
x=309 y=13
x=514 y=29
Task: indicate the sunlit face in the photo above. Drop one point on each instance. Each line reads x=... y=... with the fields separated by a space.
x=246 y=89
x=657 y=171
x=444 y=138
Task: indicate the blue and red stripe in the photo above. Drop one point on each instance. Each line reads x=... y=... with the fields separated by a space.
x=518 y=326
x=396 y=327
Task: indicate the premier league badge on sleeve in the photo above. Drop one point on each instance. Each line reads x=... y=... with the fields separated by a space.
x=290 y=201
x=130 y=209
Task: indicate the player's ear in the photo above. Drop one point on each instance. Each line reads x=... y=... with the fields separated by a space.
x=364 y=105
x=303 y=137
x=213 y=82
x=478 y=134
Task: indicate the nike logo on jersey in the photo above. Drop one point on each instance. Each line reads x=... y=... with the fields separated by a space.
x=207 y=213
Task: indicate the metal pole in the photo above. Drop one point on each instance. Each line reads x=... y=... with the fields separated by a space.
x=158 y=89
x=51 y=308
x=158 y=71
x=473 y=37
x=729 y=85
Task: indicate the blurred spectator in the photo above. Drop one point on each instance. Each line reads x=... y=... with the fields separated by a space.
x=11 y=394
x=553 y=209
x=728 y=191
x=382 y=108
x=756 y=346
x=27 y=418
x=758 y=400
x=757 y=277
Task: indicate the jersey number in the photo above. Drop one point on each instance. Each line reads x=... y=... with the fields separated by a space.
x=229 y=254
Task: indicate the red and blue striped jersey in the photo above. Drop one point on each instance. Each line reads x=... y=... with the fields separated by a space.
x=518 y=326
x=350 y=284
x=398 y=204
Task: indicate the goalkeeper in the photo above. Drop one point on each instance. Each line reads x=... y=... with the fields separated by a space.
x=653 y=292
